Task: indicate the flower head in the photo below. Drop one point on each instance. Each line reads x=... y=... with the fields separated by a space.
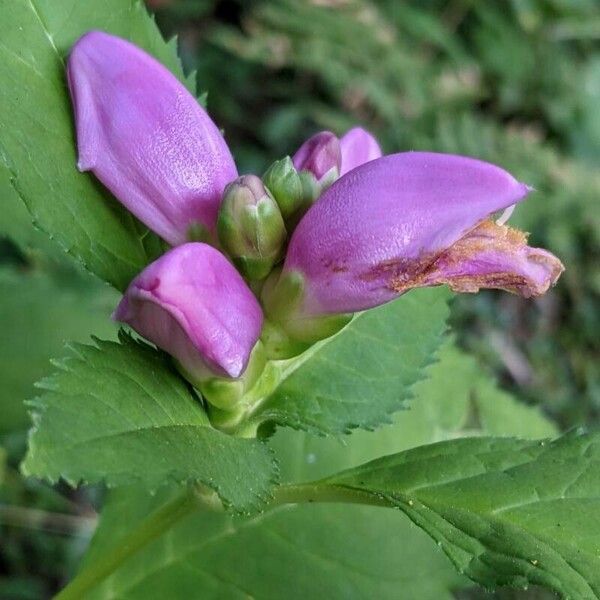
x=193 y=304
x=146 y=137
x=366 y=228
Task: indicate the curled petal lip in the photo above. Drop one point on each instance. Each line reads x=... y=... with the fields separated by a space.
x=146 y=137
x=490 y=256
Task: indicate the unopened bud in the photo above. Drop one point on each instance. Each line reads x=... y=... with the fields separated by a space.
x=283 y=181
x=320 y=158
x=250 y=227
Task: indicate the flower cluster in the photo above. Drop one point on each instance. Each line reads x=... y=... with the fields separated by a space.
x=261 y=268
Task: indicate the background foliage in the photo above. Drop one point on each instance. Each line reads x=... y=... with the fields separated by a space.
x=514 y=82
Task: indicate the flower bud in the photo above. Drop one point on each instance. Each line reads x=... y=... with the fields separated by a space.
x=319 y=160
x=146 y=138
x=193 y=304
x=284 y=183
x=357 y=147
x=406 y=220
x=250 y=227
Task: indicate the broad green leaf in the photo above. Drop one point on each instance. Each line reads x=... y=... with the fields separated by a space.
x=419 y=574
x=118 y=413
x=455 y=399
x=37 y=145
x=459 y=398
x=506 y=511
x=358 y=378
x=335 y=552
x=38 y=315
x=16 y=224
x=443 y=406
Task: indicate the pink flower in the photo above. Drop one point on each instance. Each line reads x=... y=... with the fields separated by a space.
x=379 y=226
x=193 y=304
x=319 y=155
x=410 y=220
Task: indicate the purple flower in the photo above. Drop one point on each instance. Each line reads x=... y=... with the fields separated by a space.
x=146 y=137
x=193 y=304
x=410 y=220
x=357 y=147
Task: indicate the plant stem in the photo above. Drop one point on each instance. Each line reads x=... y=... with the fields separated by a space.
x=149 y=530
x=323 y=492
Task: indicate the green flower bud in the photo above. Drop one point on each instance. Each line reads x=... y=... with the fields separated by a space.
x=283 y=181
x=250 y=227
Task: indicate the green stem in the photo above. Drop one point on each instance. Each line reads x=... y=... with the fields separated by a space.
x=181 y=506
x=149 y=530
x=303 y=493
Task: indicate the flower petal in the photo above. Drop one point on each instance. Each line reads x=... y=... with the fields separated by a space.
x=396 y=210
x=146 y=137
x=358 y=146
x=193 y=304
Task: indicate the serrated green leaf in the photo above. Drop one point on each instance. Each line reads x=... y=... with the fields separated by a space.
x=506 y=511
x=329 y=542
x=358 y=378
x=38 y=316
x=454 y=399
x=329 y=546
x=119 y=413
x=37 y=144
x=458 y=398
x=16 y=223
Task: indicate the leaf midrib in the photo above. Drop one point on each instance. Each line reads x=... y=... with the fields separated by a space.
x=409 y=505
x=45 y=29
x=491 y=517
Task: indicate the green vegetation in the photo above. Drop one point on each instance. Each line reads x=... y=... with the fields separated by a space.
x=516 y=83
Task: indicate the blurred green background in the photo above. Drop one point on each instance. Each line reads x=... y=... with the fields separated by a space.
x=514 y=82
